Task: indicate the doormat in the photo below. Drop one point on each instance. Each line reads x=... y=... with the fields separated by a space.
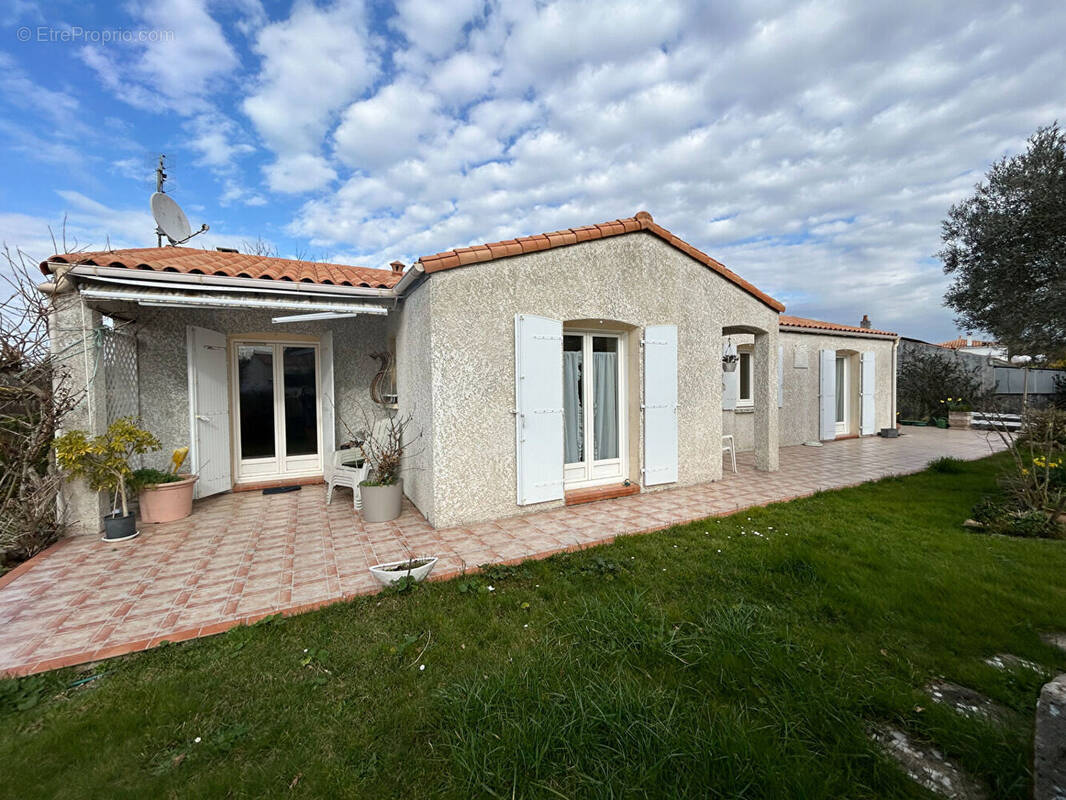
x=281 y=489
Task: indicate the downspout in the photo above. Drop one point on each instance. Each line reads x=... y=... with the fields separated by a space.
x=895 y=367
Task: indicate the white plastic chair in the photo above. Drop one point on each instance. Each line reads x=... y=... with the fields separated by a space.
x=729 y=447
x=344 y=475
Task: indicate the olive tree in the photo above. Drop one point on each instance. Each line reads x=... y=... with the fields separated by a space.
x=1005 y=247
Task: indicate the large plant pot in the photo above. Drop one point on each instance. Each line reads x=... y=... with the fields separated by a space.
x=382 y=503
x=729 y=366
x=960 y=419
x=167 y=502
x=118 y=529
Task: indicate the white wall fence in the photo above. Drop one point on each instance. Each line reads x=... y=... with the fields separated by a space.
x=1012 y=380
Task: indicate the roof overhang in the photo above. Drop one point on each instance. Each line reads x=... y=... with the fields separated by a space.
x=887 y=337
x=191 y=298
x=214 y=282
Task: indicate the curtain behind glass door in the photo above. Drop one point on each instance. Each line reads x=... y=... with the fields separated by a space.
x=573 y=400
x=605 y=397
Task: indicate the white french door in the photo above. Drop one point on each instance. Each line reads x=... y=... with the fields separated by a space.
x=842 y=411
x=594 y=418
x=277 y=409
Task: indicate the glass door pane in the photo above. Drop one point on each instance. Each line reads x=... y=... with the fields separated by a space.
x=605 y=397
x=301 y=401
x=255 y=375
x=842 y=388
x=573 y=400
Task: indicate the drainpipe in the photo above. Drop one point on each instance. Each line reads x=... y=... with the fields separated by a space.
x=895 y=366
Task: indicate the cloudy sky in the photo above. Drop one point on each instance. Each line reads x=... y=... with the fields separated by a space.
x=813 y=147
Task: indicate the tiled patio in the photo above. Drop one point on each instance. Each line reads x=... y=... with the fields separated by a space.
x=243 y=556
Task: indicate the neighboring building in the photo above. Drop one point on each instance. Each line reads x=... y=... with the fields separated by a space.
x=533 y=367
x=977 y=347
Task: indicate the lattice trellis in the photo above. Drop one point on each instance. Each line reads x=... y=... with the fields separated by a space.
x=120 y=374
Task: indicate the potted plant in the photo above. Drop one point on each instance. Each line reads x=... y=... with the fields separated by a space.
x=382 y=492
x=104 y=462
x=415 y=568
x=163 y=496
x=729 y=362
x=960 y=413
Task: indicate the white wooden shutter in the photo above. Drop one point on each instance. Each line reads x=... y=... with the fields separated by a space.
x=539 y=408
x=730 y=383
x=869 y=379
x=827 y=394
x=209 y=439
x=660 y=404
x=329 y=406
x=780 y=375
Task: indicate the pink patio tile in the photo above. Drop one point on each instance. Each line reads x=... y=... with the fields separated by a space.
x=242 y=556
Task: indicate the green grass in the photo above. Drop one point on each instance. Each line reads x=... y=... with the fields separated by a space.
x=702 y=661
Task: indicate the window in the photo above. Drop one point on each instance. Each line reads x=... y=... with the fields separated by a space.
x=744 y=396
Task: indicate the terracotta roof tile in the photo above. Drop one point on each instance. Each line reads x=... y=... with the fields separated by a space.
x=234 y=265
x=955 y=344
x=817 y=324
x=641 y=221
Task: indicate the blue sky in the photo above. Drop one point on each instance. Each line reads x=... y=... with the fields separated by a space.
x=812 y=147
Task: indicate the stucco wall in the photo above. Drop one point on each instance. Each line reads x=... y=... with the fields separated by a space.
x=799 y=416
x=636 y=279
x=163 y=370
x=410 y=328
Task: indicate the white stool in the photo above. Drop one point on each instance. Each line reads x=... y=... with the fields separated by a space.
x=729 y=447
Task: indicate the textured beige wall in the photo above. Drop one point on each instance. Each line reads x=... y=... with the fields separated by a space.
x=163 y=372
x=799 y=416
x=636 y=279
x=410 y=328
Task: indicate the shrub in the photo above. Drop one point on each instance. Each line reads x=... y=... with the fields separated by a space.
x=147 y=476
x=947 y=465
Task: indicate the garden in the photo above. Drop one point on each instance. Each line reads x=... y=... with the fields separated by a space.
x=744 y=656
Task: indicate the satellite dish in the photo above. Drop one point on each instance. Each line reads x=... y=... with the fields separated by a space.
x=170 y=219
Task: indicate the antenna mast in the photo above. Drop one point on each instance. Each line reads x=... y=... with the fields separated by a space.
x=160 y=178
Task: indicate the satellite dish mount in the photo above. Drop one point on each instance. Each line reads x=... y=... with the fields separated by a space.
x=170 y=220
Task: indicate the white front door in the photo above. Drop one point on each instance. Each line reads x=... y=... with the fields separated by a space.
x=277 y=408
x=841 y=395
x=594 y=418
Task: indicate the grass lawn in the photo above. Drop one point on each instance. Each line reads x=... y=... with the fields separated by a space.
x=705 y=660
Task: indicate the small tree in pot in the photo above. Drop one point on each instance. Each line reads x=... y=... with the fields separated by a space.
x=104 y=462
x=384 y=444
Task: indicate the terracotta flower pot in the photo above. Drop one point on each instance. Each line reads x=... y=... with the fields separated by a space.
x=167 y=502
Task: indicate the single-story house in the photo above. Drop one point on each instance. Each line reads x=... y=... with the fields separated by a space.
x=533 y=368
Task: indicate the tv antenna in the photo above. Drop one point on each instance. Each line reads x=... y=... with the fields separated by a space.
x=170 y=220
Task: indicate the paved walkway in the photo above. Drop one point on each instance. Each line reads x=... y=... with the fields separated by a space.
x=242 y=556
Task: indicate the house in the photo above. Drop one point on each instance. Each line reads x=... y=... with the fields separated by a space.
x=534 y=368
x=978 y=347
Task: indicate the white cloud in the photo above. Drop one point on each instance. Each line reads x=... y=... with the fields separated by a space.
x=299 y=173
x=214 y=137
x=436 y=28
x=813 y=148
x=387 y=127
x=176 y=71
x=313 y=63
